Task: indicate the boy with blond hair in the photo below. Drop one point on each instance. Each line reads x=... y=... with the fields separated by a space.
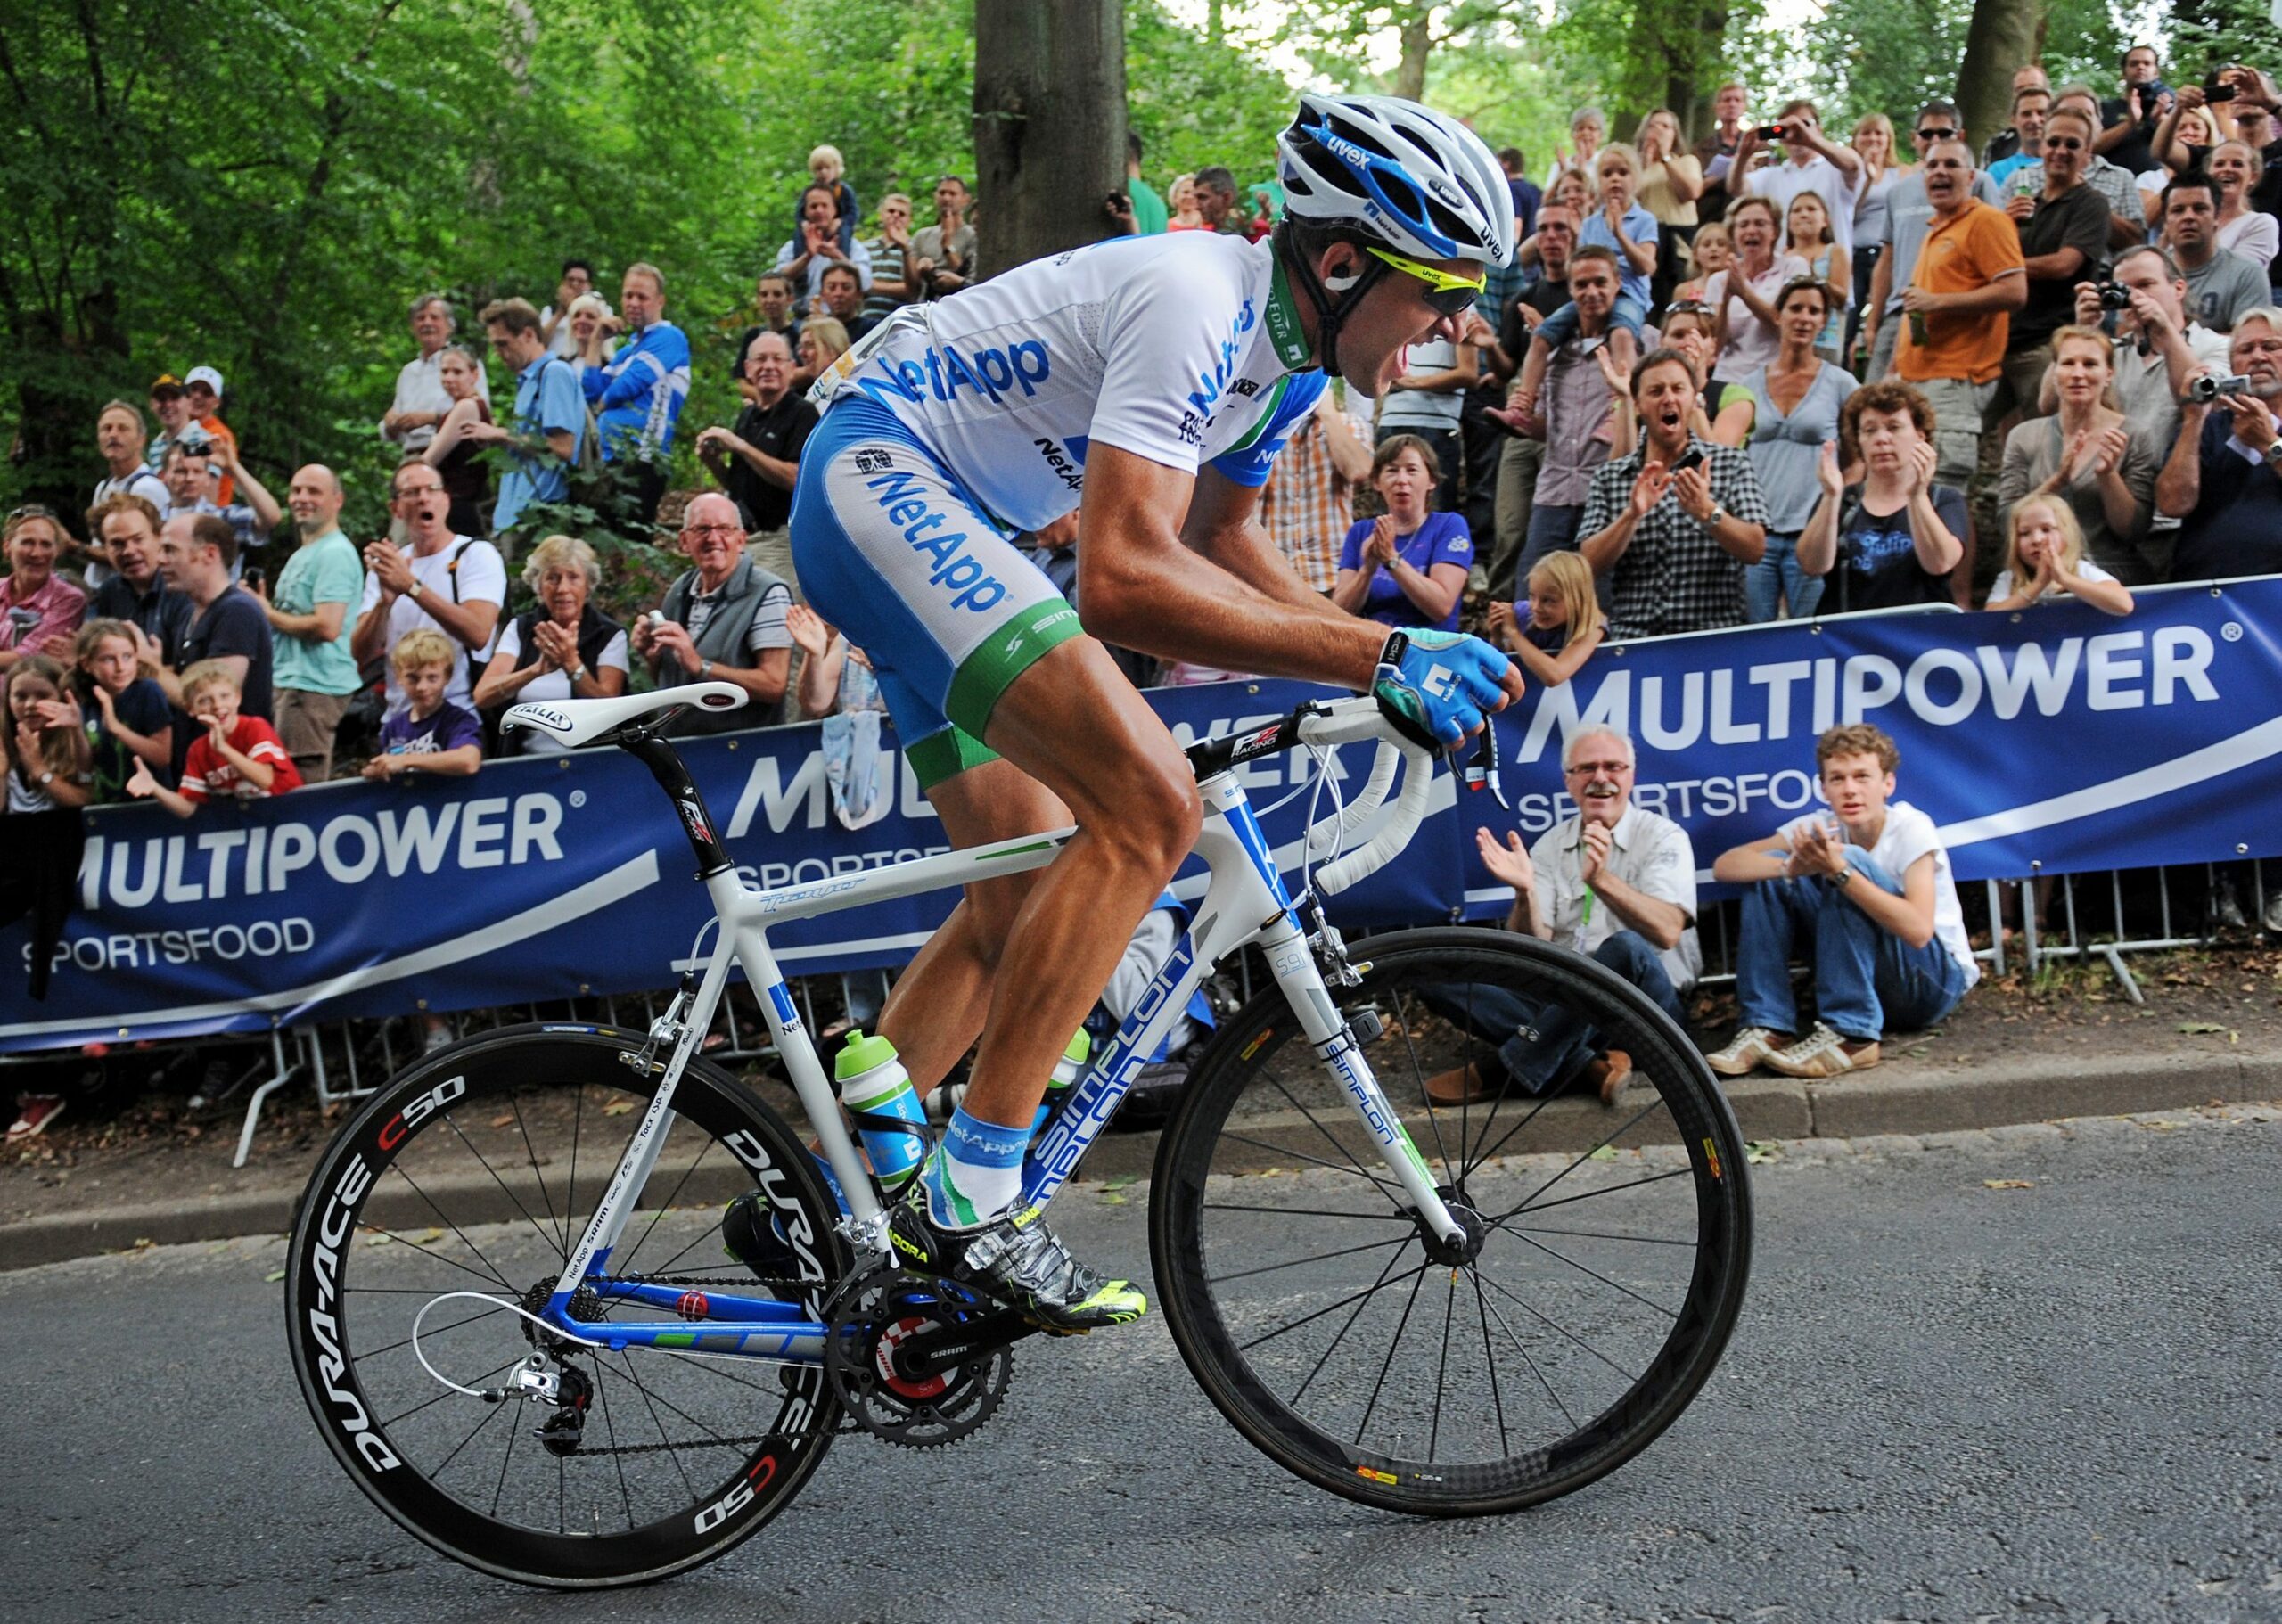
x=430 y=734
x=238 y=757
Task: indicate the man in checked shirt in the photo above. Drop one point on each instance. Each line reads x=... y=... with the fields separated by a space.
x=1308 y=503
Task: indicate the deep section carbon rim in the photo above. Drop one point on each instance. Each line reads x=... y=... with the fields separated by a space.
x=455 y=1178
x=1611 y=1264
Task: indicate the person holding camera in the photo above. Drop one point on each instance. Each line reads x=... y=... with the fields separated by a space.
x=2159 y=345
x=2223 y=480
x=1814 y=163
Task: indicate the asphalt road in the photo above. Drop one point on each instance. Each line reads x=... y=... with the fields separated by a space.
x=1946 y=1402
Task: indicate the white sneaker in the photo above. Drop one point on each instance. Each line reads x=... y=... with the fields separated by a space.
x=1824 y=1052
x=1744 y=1051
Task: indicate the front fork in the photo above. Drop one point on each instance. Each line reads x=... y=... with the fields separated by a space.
x=1335 y=1041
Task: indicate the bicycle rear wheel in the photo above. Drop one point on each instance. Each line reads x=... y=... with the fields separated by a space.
x=1614 y=1244
x=454 y=1177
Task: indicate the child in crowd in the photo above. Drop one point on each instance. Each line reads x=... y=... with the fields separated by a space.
x=128 y=719
x=1714 y=250
x=48 y=758
x=430 y=734
x=1564 y=624
x=825 y=169
x=1806 y=227
x=239 y=758
x=2044 y=558
x=1623 y=226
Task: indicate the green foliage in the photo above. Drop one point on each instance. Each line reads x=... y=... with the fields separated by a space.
x=1196 y=101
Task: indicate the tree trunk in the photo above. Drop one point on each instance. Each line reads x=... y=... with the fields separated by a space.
x=1049 y=125
x=1417 y=45
x=2003 y=36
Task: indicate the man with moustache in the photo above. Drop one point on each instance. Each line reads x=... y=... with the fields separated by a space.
x=1615 y=882
x=2223 y=481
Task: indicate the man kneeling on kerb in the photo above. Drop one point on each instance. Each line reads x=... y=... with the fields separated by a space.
x=1865 y=894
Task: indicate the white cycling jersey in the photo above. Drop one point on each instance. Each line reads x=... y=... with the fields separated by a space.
x=1183 y=349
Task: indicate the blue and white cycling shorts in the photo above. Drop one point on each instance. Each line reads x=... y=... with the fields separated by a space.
x=892 y=549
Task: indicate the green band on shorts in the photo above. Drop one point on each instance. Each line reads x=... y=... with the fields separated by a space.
x=991 y=669
x=945 y=755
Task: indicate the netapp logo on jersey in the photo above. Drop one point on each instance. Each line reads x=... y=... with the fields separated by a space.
x=1209 y=385
x=955 y=571
x=1068 y=472
x=994 y=373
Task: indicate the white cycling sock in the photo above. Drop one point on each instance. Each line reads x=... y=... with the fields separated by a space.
x=975 y=1173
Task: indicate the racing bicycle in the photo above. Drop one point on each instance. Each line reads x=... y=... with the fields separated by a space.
x=543 y=1362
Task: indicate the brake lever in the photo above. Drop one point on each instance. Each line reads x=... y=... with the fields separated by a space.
x=1482 y=772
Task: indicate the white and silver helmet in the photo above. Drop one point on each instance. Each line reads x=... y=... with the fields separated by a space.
x=1417 y=179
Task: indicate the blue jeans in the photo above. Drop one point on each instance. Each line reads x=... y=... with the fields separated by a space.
x=1552 y=530
x=1543 y=1043
x=1776 y=579
x=1866 y=977
x=1561 y=326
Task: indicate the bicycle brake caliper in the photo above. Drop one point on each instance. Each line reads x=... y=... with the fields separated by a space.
x=1330 y=950
x=666 y=1030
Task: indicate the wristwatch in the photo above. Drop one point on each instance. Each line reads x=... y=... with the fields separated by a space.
x=414 y=590
x=704 y=669
x=576 y=675
x=1718 y=513
x=47 y=778
x=2273 y=452
x=1844 y=877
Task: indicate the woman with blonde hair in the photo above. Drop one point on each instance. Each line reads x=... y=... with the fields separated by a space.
x=591 y=325
x=1180 y=201
x=1875 y=140
x=1671 y=178
x=565 y=648
x=2091 y=456
x=454 y=456
x=823 y=342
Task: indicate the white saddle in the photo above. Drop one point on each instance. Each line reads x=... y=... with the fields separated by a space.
x=582 y=721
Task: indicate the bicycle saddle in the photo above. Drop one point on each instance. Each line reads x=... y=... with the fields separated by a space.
x=583 y=721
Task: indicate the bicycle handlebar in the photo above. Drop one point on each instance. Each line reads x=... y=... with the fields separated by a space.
x=1351 y=721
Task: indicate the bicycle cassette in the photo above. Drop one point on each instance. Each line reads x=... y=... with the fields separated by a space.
x=916 y=1359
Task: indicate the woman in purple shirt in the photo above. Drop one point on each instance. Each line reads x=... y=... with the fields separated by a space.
x=1408 y=567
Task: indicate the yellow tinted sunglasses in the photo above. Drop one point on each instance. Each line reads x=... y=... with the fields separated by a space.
x=1447 y=294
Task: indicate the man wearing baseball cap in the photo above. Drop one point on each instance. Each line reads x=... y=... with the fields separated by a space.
x=201 y=386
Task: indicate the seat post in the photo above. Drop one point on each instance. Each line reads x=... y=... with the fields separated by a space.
x=646 y=744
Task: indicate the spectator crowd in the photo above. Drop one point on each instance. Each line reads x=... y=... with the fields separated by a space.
x=1778 y=372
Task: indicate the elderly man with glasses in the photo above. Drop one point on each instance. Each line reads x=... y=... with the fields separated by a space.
x=1614 y=880
x=722 y=620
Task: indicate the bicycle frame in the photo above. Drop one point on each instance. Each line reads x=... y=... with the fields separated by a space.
x=1245 y=902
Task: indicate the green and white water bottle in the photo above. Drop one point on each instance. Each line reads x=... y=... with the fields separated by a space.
x=1067 y=1070
x=874 y=1084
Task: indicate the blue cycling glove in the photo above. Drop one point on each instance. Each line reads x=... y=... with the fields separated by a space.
x=1436 y=687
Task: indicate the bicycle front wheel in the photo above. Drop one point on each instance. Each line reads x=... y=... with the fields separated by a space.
x=475 y=1172
x=1613 y=1244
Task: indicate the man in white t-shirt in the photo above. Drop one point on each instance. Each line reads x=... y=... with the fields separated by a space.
x=1864 y=891
x=1615 y=882
x=455 y=584
x=1815 y=163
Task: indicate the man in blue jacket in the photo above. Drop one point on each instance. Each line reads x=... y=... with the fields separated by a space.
x=638 y=396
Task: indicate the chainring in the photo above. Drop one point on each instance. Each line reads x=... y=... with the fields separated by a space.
x=869 y=1319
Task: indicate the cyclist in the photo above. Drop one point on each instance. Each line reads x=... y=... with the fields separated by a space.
x=1147 y=383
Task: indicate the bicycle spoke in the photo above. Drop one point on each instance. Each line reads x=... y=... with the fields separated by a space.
x=1285 y=1150
x=1524 y=1352
x=1418 y=1076
x=531 y=1154
x=1270 y=1268
x=1334 y=1308
x=1442 y=1370
x=665 y=1206
x=676 y=1408
x=1612 y=1285
x=1401 y=1325
x=602 y=1397
x=1489 y=1362
x=492 y=1278
x=1526 y=1307
x=1277 y=1085
x=447 y=1393
x=1342 y=1336
x=492 y=1412
x=374 y=1353
x=1599 y=1234
x=1585 y=1156
x=1543 y=1099
x=672 y=1454
x=397 y=1169
x=1377 y=1217
x=506 y=1457
x=1501 y=1221
x=461 y=1135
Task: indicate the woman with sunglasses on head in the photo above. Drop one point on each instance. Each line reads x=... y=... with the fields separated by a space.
x=40 y=611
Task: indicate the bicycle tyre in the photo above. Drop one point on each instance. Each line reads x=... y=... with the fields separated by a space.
x=402 y=1163
x=1210 y=1320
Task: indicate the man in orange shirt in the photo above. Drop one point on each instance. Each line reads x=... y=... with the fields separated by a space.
x=1957 y=310
x=202 y=388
